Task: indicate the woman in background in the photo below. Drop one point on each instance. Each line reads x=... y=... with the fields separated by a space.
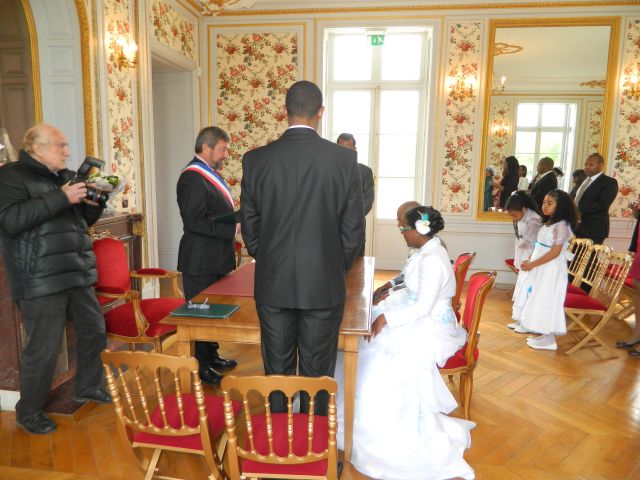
x=509 y=182
x=577 y=177
x=523 y=183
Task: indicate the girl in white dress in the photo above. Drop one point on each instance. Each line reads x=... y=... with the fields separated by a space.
x=401 y=430
x=527 y=220
x=539 y=298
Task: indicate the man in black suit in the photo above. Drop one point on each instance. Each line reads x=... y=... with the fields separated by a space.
x=544 y=181
x=366 y=175
x=303 y=221
x=593 y=199
x=207 y=246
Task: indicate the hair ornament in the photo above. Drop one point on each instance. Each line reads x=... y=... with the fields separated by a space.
x=422 y=225
x=515 y=192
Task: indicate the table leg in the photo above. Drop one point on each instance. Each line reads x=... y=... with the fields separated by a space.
x=185 y=348
x=350 y=369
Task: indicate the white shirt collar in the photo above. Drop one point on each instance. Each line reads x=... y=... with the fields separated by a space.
x=301 y=126
x=593 y=177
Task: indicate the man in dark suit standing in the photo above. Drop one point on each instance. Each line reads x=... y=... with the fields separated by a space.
x=366 y=175
x=303 y=221
x=593 y=199
x=206 y=248
x=544 y=181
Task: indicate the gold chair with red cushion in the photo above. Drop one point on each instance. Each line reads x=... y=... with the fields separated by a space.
x=160 y=405
x=463 y=362
x=460 y=269
x=281 y=445
x=593 y=265
x=135 y=321
x=600 y=304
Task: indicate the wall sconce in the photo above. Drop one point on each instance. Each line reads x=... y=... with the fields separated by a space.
x=125 y=53
x=631 y=85
x=500 y=129
x=461 y=87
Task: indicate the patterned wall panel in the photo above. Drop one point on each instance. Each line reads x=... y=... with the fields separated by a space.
x=464 y=47
x=254 y=71
x=120 y=105
x=172 y=29
x=593 y=128
x=626 y=164
x=500 y=142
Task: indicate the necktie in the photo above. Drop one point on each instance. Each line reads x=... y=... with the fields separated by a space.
x=581 y=190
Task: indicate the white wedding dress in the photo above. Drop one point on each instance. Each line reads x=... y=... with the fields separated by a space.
x=401 y=430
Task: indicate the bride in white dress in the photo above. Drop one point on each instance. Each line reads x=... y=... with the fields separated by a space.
x=401 y=430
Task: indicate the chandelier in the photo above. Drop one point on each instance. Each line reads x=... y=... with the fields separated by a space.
x=214 y=7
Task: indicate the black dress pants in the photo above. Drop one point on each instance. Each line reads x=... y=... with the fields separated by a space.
x=205 y=352
x=44 y=319
x=299 y=341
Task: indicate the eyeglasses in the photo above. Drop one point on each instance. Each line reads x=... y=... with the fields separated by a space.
x=404 y=229
x=60 y=145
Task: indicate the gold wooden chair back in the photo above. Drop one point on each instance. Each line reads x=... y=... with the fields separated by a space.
x=601 y=302
x=594 y=266
x=463 y=362
x=579 y=247
x=157 y=409
x=460 y=269
x=281 y=445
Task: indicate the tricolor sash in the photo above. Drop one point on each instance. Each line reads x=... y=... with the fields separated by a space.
x=210 y=176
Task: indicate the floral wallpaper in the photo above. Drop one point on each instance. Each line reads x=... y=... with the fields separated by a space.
x=120 y=107
x=254 y=72
x=173 y=29
x=593 y=130
x=626 y=164
x=500 y=145
x=463 y=58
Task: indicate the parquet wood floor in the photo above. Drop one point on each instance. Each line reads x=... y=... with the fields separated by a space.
x=540 y=415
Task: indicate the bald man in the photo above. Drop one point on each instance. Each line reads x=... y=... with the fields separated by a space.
x=51 y=269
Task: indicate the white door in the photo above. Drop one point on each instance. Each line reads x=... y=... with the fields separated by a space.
x=173 y=144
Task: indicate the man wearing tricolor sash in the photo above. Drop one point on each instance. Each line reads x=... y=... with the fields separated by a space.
x=207 y=245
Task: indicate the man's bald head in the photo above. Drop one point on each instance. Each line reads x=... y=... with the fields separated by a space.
x=404 y=208
x=48 y=145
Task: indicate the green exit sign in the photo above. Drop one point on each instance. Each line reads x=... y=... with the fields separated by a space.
x=376 y=40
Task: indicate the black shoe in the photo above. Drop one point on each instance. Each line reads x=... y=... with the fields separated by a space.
x=210 y=376
x=339 y=469
x=634 y=353
x=98 y=395
x=220 y=363
x=39 y=424
x=623 y=344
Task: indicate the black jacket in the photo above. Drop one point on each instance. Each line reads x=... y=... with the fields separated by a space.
x=594 y=208
x=302 y=219
x=543 y=186
x=206 y=247
x=46 y=245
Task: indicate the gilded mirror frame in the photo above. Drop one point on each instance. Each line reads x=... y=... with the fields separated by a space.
x=610 y=87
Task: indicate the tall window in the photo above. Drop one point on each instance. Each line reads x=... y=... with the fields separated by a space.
x=546 y=130
x=376 y=91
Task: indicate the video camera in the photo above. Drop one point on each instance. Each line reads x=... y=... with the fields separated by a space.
x=95 y=192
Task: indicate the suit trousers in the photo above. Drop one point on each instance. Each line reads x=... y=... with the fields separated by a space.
x=43 y=319
x=299 y=341
x=205 y=352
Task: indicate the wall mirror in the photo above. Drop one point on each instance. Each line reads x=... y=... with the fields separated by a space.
x=549 y=88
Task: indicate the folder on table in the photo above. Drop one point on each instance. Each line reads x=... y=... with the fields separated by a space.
x=215 y=310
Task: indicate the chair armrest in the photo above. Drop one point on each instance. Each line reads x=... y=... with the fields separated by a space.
x=172 y=275
x=111 y=292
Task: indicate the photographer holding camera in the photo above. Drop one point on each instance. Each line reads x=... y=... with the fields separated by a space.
x=51 y=269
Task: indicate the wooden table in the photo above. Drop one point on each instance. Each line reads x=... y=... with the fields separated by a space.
x=243 y=327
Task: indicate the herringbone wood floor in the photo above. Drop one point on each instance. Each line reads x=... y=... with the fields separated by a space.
x=540 y=416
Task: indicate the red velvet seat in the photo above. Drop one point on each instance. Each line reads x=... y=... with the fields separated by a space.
x=136 y=321
x=510 y=262
x=160 y=405
x=282 y=445
x=583 y=302
x=571 y=288
x=463 y=362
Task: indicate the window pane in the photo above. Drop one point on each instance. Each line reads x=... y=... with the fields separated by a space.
x=397 y=156
x=351 y=57
x=553 y=114
x=390 y=194
x=402 y=57
x=527 y=115
x=525 y=143
x=550 y=144
x=399 y=111
x=351 y=112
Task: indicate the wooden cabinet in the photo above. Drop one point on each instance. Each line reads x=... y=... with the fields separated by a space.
x=127 y=227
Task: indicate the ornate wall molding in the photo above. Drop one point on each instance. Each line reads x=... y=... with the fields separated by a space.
x=172 y=29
